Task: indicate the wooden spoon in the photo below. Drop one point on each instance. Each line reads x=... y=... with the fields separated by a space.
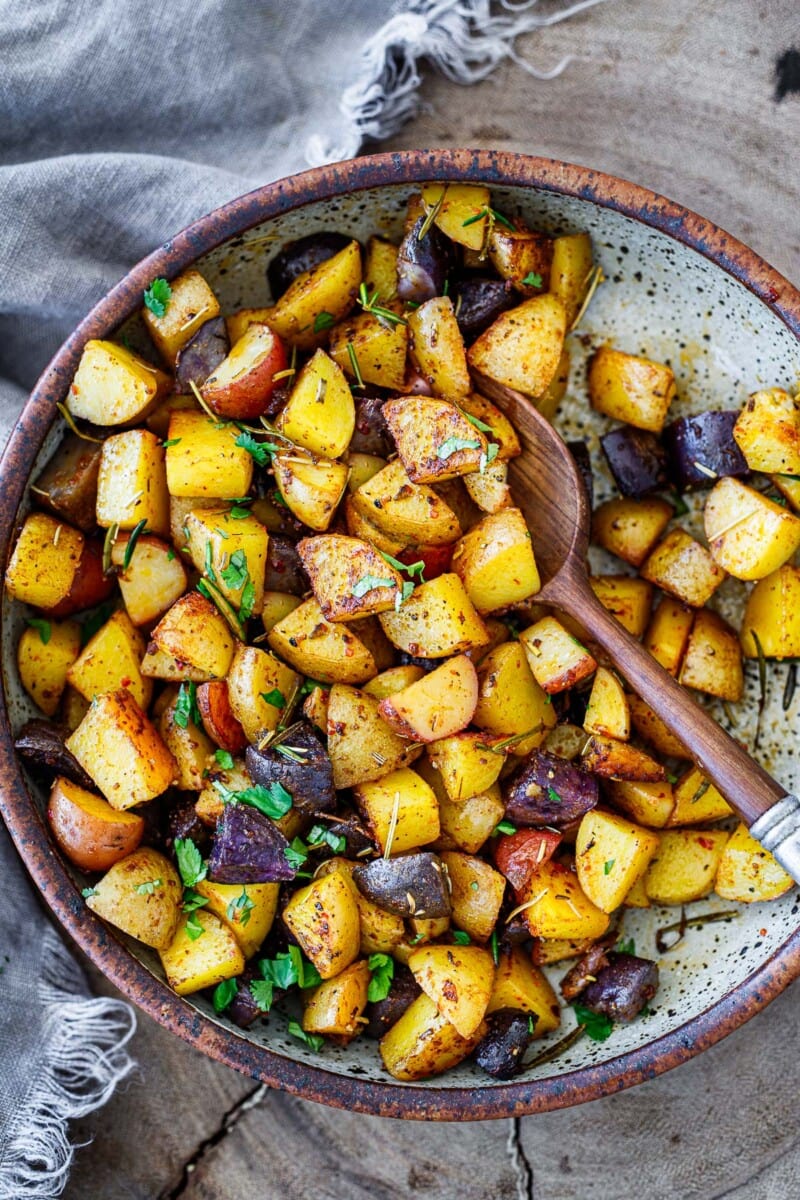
x=551 y=494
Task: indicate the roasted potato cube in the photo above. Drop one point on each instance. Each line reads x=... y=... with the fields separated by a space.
x=276 y=606
x=500 y=431
x=463 y=211
x=649 y=803
x=243 y=384
x=490 y=490
x=323 y=918
x=747 y=872
x=557 y=906
x=667 y=634
x=570 y=271
x=249 y=909
x=214 y=703
x=437 y=348
x=682 y=567
x=713 y=659
x=787 y=485
x=637 y=897
x=320 y=414
x=685 y=865
x=141 y=895
x=523 y=257
x=522 y=349
x=697 y=800
x=395 y=679
x=511 y=704
x=122 y=752
x=157 y=664
x=772 y=615
x=610 y=855
x=380 y=268
x=422 y=1043
x=336 y=1006
x=750 y=535
x=628 y=599
x=630 y=528
x=44 y=562
x=112 y=386
x=238 y=323
x=362 y=468
x=194 y=632
x=434 y=439
x=631 y=389
x=331 y=653
x=410 y=512
x=651 y=728
x=437 y=620
x=153 y=579
x=349 y=578
x=91 y=833
x=379 y=346
x=261 y=689
x=557 y=659
x=358 y=526
x=477 y=893
x=556 y=390
x=466 y=766
x=361 y=745
x=458 y=980
x=495 y=561
x=518 y=984
x=193 y=964
x=438 y=705
x=467 y=824
x=311 y=487
x=381 y=931
x=400 y=803
x=188 y=744
x=44 y=656
x=67 y=487
x=607 y=712
x=619 y=760
x=203 y=459
x=111 y=660
x=768 y=432
x=232 y=552
x=329 y=287
x=190 y=305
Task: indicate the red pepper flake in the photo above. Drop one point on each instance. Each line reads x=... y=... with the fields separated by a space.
x=706 y=843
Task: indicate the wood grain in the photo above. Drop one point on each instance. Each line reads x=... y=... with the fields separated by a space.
x=678 y=97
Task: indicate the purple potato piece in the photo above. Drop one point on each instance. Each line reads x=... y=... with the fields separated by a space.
x=580 y=452
x=482 y=302
x=586 y=968
x=243 y=1010
x=350 y=827
x=69 y=482
x=183 y=822
x=701 y=450
x=422 y=263
x=41 y=744
x=201 y=355
x=248 y=848
x=516 y=931
x=623 y=988
x=300 y=763
x=383 y=1014
x=371 y=434
x=412 y=885
x=501 y=1050
x=548 y=790
x=285 y=570
x=637 y=460
x=301 y=255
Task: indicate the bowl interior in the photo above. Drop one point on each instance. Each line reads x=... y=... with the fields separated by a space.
x=662 y=300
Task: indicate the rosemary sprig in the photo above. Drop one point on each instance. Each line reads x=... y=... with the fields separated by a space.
x=70 y=420
x=685 y=923
x=369 y=303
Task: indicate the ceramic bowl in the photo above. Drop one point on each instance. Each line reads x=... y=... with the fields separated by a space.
x=678 y=290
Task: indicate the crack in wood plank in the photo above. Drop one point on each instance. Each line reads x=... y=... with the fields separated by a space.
x=229 y=1121
x=520 y=1161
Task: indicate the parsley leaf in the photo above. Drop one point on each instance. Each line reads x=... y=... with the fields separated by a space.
x=296 y=854
x=186 y=709
x=272 y=800
x=87 y=892
x=368 y=582
x=225 y=759
x=276 y=698
x=553 y=796
x=262 y=991
x=262 y=452
x=148 y=887
x=461 y=938
x=454 y=444
x=43 y=627
x=532 y=280
x=223 y=994
x=321 y=835
x=157 y=297
x=193 y=900
x=239 y=512
x=241 y=906
x=598 y=1026
x=312 y=1040
x=194 y=929
x=476 y=421
x=322 y=321
x=504 y=827
x=190 y=862
x=628 y=946
x=382 y=973
x=494 y=947
x=235 y=574
x=608 y=866
x=170 y=442
x=247 y=600
x=289 y=968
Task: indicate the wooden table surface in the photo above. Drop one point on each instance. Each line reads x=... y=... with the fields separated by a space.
x=680 y=97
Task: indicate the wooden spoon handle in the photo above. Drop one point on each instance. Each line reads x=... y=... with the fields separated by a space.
x=772 y=814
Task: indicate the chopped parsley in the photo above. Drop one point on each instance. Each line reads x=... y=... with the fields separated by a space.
x=454 y=444
x=262 y=452
x=322 y=321
x=271 y=799
x=321 y=835
x=186 y=709
x=157 y=297
x=494 y=947
x=296 y=854
x=628 y=946
x=223 y=994
x=597 y=1026
x=368 y=583
x=236 y=574
x=289 y=968
x=313 y=1040
x=381 y=975
x=275 y=697
x=608 y=866
x=43 y=628
x=262 y=992
x=192 y=900
x=461 y=938
x=194 y=928
x=224 y=759
x=240 y=908
x=504 y=827
x=87 y=892
x=532 y=280
x=148 y=887
x=553 y=796
x=190 y=862
x=170 y=442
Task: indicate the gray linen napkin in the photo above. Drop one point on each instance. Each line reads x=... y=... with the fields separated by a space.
x=119 y=124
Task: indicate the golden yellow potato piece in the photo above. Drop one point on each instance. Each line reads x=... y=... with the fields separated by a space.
x=141 y=895
x=193 y=964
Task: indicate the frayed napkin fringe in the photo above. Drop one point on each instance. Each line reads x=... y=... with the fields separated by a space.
x=83 y=1060
x=459 y=37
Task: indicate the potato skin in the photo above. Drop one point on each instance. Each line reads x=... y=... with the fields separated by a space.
x=91 y=833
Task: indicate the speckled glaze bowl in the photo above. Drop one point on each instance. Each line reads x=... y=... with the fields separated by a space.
x=679 y=290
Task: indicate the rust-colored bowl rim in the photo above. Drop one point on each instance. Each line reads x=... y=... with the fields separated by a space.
x=27 y=828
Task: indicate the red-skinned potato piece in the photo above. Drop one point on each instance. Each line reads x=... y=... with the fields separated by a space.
x=90 y=586
x=218 y=720
x=242 y=385
x=437 y=559
x=518 y=855
x=438 y=705
x=91 y=833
